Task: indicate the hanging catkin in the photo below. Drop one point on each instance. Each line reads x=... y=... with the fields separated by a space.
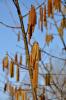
x=16 y=96
x=11 y=68
x=35 y=52
x=42 y=97
x=5 y=87
x=23 y=94
x=63 y=23
x=17 y=73
x=49 y=8
x=60 y=31
x=19 y=36
x=31 y=22
x=5 y=62
x=11 y=90
x=47 y=79
x=8 y=87
x=57 y=4
x=49 y=38
x=35 y=56
x=41 y=18
x=35 y=76
x=16 y=58
x=20 y=60
x=45 y=19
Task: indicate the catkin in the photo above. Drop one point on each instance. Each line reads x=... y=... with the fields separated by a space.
x=11 y=68
x=63 y=23
x=19 y=36
x=49 y=38
x=47 y=79
x=23 y=94
x=41 y=18
x=49 y=8
x=20 y=60
x=45 y=19
x=35 y=56
x=17 y=74
x=35 y=76
x=16 y=96
x=16 y=58
x=60 y=31
x=31 y=22
x=5 y=62
x=5 y=87
x=57 y=4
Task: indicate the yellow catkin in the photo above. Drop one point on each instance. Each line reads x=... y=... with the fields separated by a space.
x=47 y=79
x=11 y=69
x=49 y=38
x=17 y=73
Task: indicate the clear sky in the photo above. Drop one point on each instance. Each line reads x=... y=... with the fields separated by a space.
x=8 y=36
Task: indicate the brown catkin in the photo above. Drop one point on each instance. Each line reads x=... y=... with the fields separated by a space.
x=57 y=4
x=11 y=68
x=31 y=22
x=32 y=16
x=35 y=76
x=5 y=62
x=63 y=23
x=41 y=18
x=45 y=19
x=47 y=79
x=19 y=36
x=5 y=87
x=11 y=90
x=20 y=59
x=16 y=58
x=17 y=73
x=16 y=96
x=49 y=38
x=35 y=56
x=49 y=8
x=35 y=52
x=60 y=31
x=23 y=94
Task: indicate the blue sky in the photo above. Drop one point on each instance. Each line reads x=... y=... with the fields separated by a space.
x=8 y=37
